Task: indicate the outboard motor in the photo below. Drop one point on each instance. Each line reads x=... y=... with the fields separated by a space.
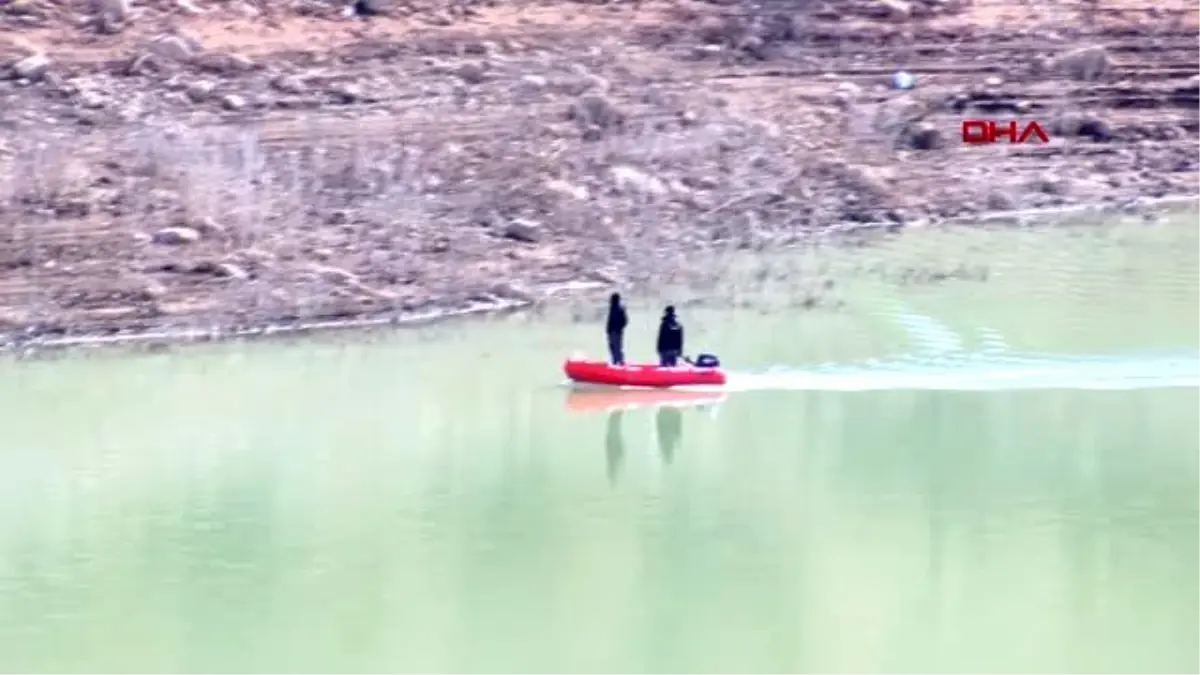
x=707 y=361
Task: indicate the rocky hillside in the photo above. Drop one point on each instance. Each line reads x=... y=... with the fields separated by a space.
x=204 y=163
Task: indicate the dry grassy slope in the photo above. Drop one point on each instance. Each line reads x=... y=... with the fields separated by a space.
x=786 y=123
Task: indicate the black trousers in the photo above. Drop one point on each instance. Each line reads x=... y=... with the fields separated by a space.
x=616 y=348
x=668 y=359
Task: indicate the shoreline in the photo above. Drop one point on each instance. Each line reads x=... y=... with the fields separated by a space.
x=12 y=345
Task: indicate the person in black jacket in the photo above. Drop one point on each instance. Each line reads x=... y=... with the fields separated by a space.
x=670 y=339
x=615 y=329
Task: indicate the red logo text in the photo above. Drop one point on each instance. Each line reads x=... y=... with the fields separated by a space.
x=986 y=132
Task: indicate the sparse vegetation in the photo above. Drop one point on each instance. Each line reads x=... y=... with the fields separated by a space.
x=184 y=177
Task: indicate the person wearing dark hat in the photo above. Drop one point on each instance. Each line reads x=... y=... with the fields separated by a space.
x=614 y=328
x=670 y=339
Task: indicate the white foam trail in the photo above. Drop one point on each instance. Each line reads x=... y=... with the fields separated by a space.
x=993 y=342
x=930 y=334
x=979 y=373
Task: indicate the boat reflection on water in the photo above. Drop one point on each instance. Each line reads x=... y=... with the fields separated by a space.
x=668 y=417
x=614 y=444
x=668 y=423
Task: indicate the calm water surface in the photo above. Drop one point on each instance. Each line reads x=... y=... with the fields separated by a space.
x=950 y=475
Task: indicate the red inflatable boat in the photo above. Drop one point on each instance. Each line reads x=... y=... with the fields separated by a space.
x=644 y=375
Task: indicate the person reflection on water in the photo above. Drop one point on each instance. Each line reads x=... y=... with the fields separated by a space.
x=615 y=329
x=670 y=339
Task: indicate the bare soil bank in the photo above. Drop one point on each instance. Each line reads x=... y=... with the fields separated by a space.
x=212 y=166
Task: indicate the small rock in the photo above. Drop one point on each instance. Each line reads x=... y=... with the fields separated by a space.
x=189 y=7
x=200 y=91
x=369 y=7
x=593 y=110
x=90 y=100
x=171 y=47
x=289 y=84
x=562 y=187
x=175 y=236
x=120 y=10
x=238 y=63
x=246 y=10
x=895 y=10
x=231 y=271
x=535 y=81
x=152 y=289
x=523 y=230
x=346 y=92
x=1051 y=184
x=849 y=88
x=335 y=275
x=208 y=227
x=1085 y=63
x=31 y=67
x=471 y=73
x=512 y=291
x=1000 y=201
x=632 y=179
x=141 y=64
x=925 y=136
x=233 y=102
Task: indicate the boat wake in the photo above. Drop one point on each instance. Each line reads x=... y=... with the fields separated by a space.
x=940 y=362
x=981 y=372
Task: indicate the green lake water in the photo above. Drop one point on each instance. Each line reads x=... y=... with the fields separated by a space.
x=992 y=468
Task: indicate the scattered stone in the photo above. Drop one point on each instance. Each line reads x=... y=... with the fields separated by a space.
x=208 y=227
x=562 y=187
x=754 y=46
x=1000 y=201
x=593 y=110
x=335 y=275
x=471 y=73
x=246 y=10
x=32 y=67
x=1051 y=184
x=151 y=289
x=238 y=63
x=535 y=81
x=117 y=10
x=513 y=292
x=715 y=30
x=1085 y=63
x=369 y=8
x=189 y=7
x=231 y=271
x=925 y=136
x=142 y=64
x=895 y=10
x=289 y=84
x=630 y=179
x=233 y=102
x=346 y=92
x=200 y=90
x=523 y=230
x=90 y=100
x=172 y=47
x=175 y=236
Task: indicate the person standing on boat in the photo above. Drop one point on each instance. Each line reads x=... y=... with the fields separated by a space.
x=670 y=339
x=615 y=329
